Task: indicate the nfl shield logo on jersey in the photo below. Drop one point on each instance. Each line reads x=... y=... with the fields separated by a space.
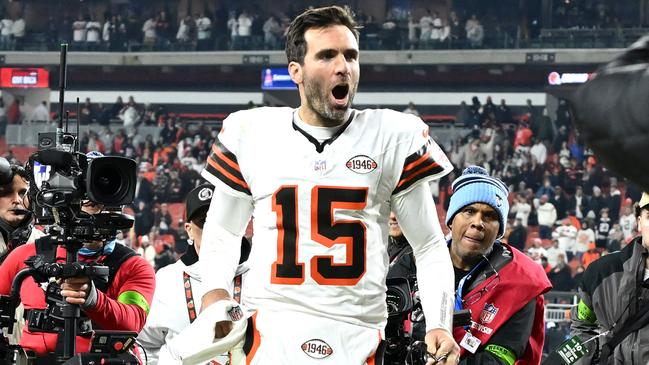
x=488 y=313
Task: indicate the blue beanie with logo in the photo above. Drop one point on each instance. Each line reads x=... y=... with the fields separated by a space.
x=476 y=186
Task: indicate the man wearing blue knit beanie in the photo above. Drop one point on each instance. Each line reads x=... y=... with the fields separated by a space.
x=501 y=286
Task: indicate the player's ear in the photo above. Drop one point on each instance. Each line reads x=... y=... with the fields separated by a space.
x=295 y=70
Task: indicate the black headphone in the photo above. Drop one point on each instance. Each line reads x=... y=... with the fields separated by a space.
x=6 y=175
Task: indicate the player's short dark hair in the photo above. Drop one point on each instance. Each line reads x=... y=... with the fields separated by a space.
x=315 y=18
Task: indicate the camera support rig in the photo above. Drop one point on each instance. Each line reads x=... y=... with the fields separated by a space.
x=69 y=179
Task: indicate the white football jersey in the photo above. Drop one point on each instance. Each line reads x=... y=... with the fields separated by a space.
x=321 y=209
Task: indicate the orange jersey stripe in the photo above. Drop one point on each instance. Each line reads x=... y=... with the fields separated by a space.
x=233 y=178
x=256 y=339
x=403 y=181
x=225 y=159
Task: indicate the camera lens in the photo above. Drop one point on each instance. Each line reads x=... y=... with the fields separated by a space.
x=108 y=181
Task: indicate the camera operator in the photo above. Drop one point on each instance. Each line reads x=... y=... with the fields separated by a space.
x=613 y=301
x=182 y=287
x=500 y=285
x=120 y=304
x=402 y=261
x=16 y=226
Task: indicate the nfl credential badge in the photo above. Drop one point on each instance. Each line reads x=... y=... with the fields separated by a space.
x=488 y=313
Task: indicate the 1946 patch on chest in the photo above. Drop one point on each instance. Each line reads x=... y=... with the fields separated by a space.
x=361 y=164
x=317 y=349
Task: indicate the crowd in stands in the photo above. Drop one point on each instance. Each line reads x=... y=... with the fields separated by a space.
x=567 y=209
x=137 y=27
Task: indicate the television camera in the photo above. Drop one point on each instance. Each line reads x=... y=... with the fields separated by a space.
x=62 y=180
x=406 y=327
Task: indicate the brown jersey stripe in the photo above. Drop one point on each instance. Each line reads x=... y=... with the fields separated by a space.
x=220 y=151
x=417 y=166
x=428 y=170
x=227 y=178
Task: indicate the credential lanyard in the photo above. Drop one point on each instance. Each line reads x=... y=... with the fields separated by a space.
x=460 y=286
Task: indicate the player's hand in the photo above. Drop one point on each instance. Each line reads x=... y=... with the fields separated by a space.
x=221 y=329
x=76 y=290
x=442 y=346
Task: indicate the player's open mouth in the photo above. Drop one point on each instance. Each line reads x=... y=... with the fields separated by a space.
x=340 y=93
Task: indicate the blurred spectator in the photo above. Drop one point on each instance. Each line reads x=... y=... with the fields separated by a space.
x=463 y=115
x=164 y=257
x=233 y=27
x=628 y=223
x=556 y=254
x=170 y=132
x=560 y=275
x=425 y=29
x=243 y=39
x=536 y=251
x=522 y=209
x=411 y=109
x=41 y=113
x=503 y=112
x=186 y=36
x=545 y=189
x=523 y=135
x=204 y=32
x=547 y=216
x=143 y=188
x=88 y=114
x=149 y=33
x=560 y=202
x=597 y=201
x=614 y=200
x=146 y=249
x=412 y=32
x=585 y=236
x=615 y=239
x=93 y=34
x=17 y=32
x=79 y=32
x=144 y=219
x=272 y=33
x=591 y=255
x=437 y=34
x=603 y=227
x=538 y=151
x=579 y=203
x=162 y=219
x=518 y=235
x=456 y=30
x=129 y=116
x=474 y=32
x=117 y=107
x=566 y=239
x=164 y=30
x=5 y=32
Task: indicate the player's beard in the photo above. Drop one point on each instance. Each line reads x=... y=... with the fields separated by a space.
x=317 y=98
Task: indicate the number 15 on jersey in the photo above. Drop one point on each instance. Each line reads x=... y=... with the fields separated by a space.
x=324 y=230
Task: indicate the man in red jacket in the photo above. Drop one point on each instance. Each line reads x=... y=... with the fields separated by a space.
x=501 y=286
x=121 y=304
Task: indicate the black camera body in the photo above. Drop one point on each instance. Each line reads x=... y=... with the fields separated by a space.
x=61 y=180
